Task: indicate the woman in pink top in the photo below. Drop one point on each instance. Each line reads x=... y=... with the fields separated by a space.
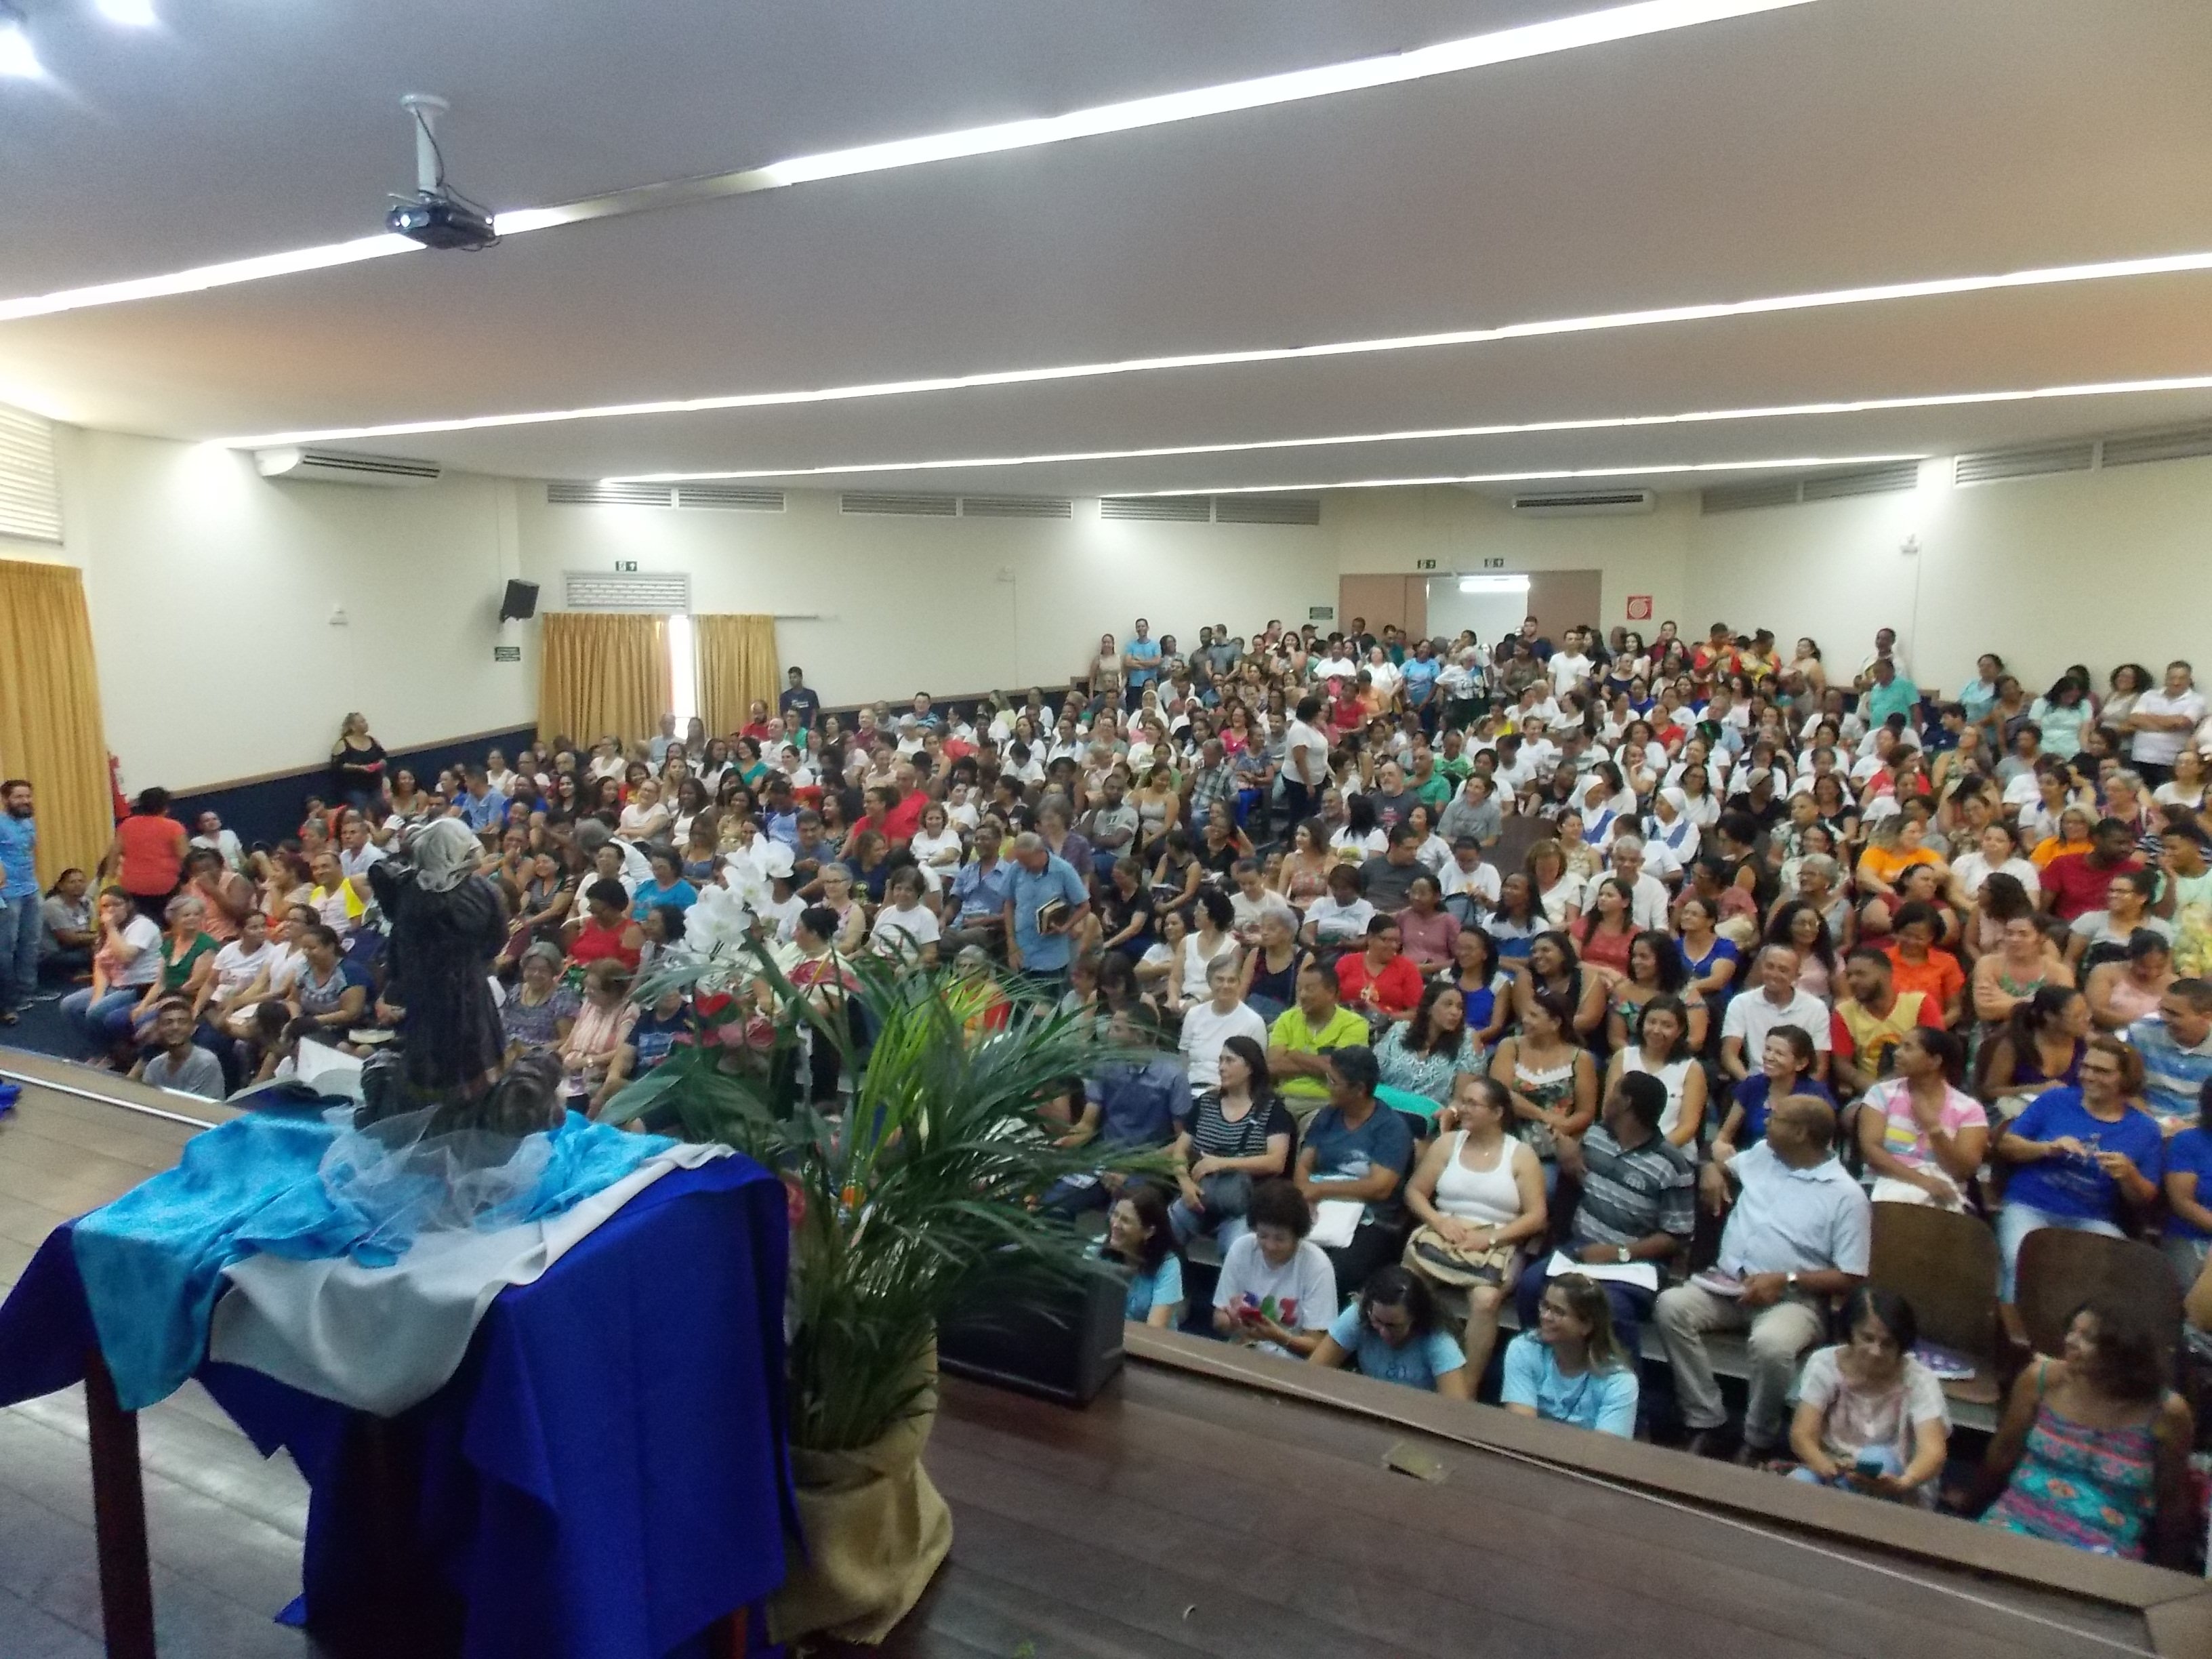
x=1921 y=1136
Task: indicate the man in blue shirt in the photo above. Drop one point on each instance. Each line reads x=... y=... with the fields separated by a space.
x=1802 y=1232
x=799 y=699
x=483 y=807
x=1421 y=670
x=1891 y=693
x=2176 y=1046
x=981 y=888
x=1038 y=945
x=1138 y=1098
x=1140 y=663
x=19 y=898
x=1357 y=1149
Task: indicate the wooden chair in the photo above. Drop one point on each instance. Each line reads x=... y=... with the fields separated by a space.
x=2060 y=1269
x=1945 y=1263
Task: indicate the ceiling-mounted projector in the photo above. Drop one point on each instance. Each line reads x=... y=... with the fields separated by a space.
x=437 y=215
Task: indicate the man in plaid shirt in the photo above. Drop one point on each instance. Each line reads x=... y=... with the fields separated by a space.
x=1213 y=780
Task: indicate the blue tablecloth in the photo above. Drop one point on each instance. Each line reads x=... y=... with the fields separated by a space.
x=604 y=1477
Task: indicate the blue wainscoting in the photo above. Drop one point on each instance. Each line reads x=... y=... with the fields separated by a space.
x=270 y=809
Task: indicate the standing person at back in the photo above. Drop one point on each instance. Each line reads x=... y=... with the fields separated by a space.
x=799 y=698
x=1141 y=662
x=1305 y=761
x=147 y=857
x=20 y=908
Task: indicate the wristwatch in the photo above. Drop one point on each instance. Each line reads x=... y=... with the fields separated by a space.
x=1622 y=1256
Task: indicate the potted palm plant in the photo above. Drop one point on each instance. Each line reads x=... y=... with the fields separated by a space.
x=924 y=1182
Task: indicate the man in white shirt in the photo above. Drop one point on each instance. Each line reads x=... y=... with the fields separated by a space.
x=1884 y=645
x=1207 y=1025
x=1571 y=666
x=1471 y=879
x=2162 y=721
x=1753 y=1016
x=1647 y=900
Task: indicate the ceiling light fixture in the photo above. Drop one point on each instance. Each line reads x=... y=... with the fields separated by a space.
x=2157 y=265
x=1447 y=58
x=19 y=59
x=1806 y=463
x=1498 y=429
x=132 y=14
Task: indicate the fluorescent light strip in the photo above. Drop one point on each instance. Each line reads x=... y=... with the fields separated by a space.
x=2050 y=275
x=1792 y=462
x=1860 y=406
x=1447 y=58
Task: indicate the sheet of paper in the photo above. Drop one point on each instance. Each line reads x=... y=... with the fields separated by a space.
x=1643 y=1274
x=1335 y=1219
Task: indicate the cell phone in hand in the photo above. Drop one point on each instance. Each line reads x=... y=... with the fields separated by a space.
x=1869 y=1463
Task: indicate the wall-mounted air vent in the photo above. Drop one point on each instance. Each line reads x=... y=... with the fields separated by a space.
x=1866 y=480
x=1571 y=503
x=1158 y=509
x=1266 y=509
x=30 y=485
x=583 y=492
x=664 y=591
x=910 y=507
x=2177 y=444
x=1993 y=465
x=1743 y=497
x=1016 y=507
x=730 y=497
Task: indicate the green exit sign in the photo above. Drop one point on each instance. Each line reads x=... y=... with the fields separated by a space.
x=1425 y=564
x=506 y=653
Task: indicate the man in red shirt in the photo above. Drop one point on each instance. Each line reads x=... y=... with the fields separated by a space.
x=2076 y=883
x=908 y=802
x=1378 y=980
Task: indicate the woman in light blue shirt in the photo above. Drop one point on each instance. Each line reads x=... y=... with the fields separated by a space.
x=1391 y=1333
x=1571 y=1369
x=1139 y=1236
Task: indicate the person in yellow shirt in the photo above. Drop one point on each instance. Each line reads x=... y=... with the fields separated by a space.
x=1302 y=1036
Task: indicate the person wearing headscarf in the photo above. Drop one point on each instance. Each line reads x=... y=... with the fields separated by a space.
x=447 y=924
x=1670 y=839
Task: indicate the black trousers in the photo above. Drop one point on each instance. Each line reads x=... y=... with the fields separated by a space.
x=1374 y=1244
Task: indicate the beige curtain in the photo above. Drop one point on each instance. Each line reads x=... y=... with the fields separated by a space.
x=737 y=667
x=602 y=673
x=50 y=725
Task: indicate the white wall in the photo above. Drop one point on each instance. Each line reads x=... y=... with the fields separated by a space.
x=2098 y=568
x=955 y=606
x=1491 y=615
x=1379 y=531
x=211 y=590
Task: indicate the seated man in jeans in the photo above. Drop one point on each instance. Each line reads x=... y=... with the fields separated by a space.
x=1636 y=1211
x=1136 y=1099
x=1800 y=1234
x=1357 y=1149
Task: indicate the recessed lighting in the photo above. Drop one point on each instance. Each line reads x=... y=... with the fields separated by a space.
x=1447 y=57
x=19 y=59
x=1547 y=475
x=132 y=14
x=2157 y=265
x=1595 y=423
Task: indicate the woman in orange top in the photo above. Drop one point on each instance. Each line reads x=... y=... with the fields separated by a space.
x=1893 y=846
x=1915 y=964
x=147 y=857
x=2077 y=834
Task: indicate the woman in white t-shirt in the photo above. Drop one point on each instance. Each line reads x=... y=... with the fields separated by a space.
x=1870 y=1417
x=905 y=924
x=1998 y=849
x=936 y=843
x=1277 y=1292
x=645 y=818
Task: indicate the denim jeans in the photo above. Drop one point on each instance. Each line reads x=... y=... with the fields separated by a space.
x=103 y=1023
x=19 y=951
x=2016 y=1221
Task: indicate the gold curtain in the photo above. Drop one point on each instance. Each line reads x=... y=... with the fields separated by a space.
x=601 y=674
x=50 y=725
x=737 y=666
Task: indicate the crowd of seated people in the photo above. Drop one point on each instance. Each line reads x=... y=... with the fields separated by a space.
x=1482 y=969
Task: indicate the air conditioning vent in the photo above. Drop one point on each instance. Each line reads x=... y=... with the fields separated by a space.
x=1993 y=466
x=666 y=591
x=1266 y=509
x=1158 y=509
x=30 y=485
x=1741 y=498
x=581 y=492
x=306 y=465
x=1016 y=507
x=1576 y=502
x=2178 y=444
x=911 y=507
x=1867 y=480
x=730 y=497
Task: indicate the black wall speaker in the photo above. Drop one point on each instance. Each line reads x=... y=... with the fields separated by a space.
x=520 y=603
x=1064 y=1342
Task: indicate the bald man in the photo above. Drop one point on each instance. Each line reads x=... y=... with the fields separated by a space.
x=1799 y=1234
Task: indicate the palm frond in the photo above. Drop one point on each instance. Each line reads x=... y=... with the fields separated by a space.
x=923 y=1193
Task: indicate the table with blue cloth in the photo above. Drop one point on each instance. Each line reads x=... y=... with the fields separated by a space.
x=604 y=1477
